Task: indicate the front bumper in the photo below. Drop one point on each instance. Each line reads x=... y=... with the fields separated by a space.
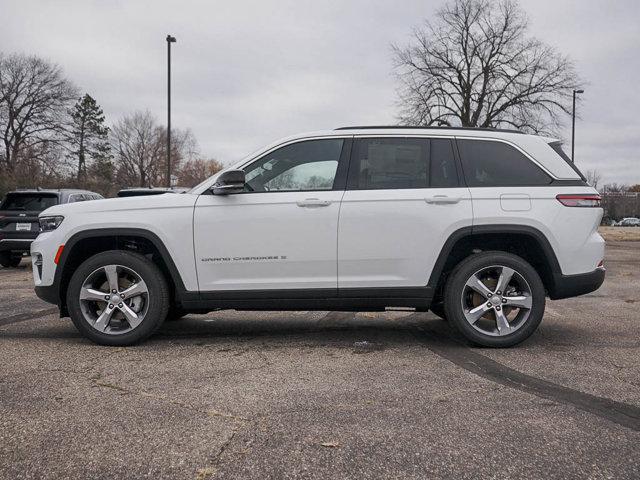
x=48 y=293
x=566 y=286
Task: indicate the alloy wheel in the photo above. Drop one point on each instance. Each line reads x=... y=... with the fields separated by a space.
x=496 y=300
x=114 y=299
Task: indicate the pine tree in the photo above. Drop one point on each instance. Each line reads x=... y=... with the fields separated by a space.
x=88 y=134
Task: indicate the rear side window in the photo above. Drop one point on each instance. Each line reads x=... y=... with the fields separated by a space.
x=496 y=164
x=442 y=167
x=76 y=197
x=29 y=201
x=557 y=147
x=402 y=163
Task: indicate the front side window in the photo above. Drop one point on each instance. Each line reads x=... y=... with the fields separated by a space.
x=402 y=163
x=308 y=165
x=489 y=163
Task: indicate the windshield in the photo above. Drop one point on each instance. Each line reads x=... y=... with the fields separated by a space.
x=29 y=201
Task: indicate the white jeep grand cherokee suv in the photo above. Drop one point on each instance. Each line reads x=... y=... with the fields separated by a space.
x=479 y=226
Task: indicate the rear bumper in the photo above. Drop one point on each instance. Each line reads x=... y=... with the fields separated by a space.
x=566 y=286
x=15 y=244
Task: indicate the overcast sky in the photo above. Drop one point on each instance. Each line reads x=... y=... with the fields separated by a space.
x=248 y=72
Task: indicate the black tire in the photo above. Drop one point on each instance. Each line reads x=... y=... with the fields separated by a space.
x=9 y=260
x=454 y=291
x=158 y=303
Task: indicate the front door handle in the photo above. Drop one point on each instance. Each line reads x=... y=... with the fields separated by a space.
x=313 y=203
x=442 y=199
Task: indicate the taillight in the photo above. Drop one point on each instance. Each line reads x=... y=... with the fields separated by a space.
x=587 y=200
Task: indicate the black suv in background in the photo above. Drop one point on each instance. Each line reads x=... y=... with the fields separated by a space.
x=19 y=218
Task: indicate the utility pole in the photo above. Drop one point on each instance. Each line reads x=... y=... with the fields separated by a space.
x=171 y=40
x=573 y=124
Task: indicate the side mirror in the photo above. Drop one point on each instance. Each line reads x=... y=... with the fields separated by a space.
x=231 y=181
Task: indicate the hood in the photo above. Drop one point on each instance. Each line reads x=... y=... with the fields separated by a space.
x=167 y=200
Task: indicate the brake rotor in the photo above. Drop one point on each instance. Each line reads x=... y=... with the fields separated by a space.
x=477 y=299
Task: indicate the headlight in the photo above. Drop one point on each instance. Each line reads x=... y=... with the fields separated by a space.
x=50 y=223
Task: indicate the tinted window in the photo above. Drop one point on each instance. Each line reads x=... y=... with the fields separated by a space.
x=442 y=170
x=488 y=164
x=309 y=165
x=29 y=201
x=400 y=163
x=76 y=197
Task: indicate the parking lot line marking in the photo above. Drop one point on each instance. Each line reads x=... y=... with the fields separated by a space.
x=21 y=317
x=617 y=412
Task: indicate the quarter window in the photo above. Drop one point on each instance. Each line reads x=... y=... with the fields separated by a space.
x=496 y=164
x=308 y=165
x=402 y=163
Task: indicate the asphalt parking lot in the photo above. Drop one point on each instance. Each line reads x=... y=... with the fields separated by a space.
x=325 y=394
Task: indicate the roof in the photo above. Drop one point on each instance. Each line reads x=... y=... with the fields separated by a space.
x=431 y=127
x=145 y=189
x=49 y=190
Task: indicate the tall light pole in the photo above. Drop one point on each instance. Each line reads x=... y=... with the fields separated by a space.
x=573 y=123
x=170 y=40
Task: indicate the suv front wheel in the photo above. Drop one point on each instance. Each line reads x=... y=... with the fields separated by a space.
x=495 y=299
x=117 y=298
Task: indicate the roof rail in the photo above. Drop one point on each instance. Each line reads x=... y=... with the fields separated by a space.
x=407 y=127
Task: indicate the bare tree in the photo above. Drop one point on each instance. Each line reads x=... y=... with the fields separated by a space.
x=139 y=146
x=475 y=66
x=192 y=172
x=34 y=95
x=614 y=188
x=184 y=149
x=593 y=177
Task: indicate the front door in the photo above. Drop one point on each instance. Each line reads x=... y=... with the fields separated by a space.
x=281 y=233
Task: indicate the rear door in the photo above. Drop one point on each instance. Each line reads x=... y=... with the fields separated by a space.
x=404 y=199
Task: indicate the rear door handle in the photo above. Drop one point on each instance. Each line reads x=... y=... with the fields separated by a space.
x=442 y=199
x=313 y=203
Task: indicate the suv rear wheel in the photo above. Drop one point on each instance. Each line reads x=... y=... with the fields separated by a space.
x=117 y=298
x=495 y=299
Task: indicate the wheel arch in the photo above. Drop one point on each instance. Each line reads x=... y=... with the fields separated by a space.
x=523 y=240
x=87 y=243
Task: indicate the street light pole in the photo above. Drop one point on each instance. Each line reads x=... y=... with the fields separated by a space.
x=170 y=40
x=573 y=124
